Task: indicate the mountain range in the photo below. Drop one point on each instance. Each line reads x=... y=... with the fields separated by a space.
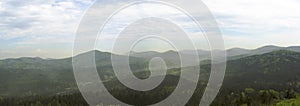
x=234 y=53
x=275 y=66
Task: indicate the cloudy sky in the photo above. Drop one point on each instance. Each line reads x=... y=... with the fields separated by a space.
x=46 y=28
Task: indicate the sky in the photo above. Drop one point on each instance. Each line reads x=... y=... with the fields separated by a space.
x=47 y=28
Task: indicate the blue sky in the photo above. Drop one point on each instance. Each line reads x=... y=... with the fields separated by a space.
x=46 y=28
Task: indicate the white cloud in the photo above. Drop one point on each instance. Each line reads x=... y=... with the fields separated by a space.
x=255 y=23
x=42 y=19
x=266 y=15
x=245 y=23
x=1 y=7
x=36 y=24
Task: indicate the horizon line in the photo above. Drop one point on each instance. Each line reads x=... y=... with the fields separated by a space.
x=50 y=58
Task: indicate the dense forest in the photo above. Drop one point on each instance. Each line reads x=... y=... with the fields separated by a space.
x=271 y=78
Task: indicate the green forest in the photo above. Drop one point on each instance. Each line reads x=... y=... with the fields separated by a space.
x=262 y=79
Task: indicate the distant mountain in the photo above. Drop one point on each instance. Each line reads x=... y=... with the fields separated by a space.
x=37 y=76
x=261 y=50
x=293 y=48
x=237 y=51
x=172 y=58
x=144 y=54
x=276 y=70
x=232 y=54
x=273 y=71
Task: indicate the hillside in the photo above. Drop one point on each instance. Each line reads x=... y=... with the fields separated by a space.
x=278 y=67
x=232 y=54
x=268 y=78
x=276 y=71
x=36 y=76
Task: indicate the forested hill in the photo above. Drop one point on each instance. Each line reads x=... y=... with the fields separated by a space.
x=36 y=76
x=262 y=79
x=277 y=71
x=278 y=67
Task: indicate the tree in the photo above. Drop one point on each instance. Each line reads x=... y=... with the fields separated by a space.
x=1 y=99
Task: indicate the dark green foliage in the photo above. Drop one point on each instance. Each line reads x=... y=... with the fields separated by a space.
x=254 y=80
x=74 y=99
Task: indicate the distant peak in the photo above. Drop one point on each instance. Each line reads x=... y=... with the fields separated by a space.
x=144 y=52
x=25 y=58
x=237 y=48
x=270 y=46
x=170 y=51
x=96 y=51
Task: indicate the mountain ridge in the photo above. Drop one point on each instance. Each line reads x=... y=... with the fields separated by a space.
x=230 y=52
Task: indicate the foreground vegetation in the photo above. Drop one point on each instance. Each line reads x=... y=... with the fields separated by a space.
x=248 y=97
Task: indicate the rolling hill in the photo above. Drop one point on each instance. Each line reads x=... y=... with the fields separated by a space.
x=232 y=54
x=277 y=70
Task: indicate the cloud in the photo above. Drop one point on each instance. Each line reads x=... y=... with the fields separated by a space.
x=36 y=24
x=31 y=19
x=256 y=16
x=45 y=24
